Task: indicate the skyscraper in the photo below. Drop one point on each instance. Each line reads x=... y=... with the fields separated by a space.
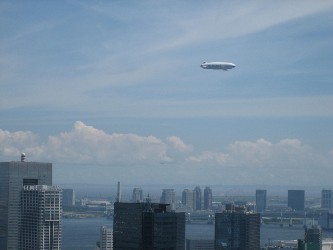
x=296 y=199
x=105 y=240
x=261 y=200
x=208 y=198
x=197 y=195
x=147 y=226
x=168 y=197
x=237 y=229
x=13 y=176
x=137 y=195
x=40 y=226
x=326 y=199
x=68 y=197
x=312 y=239
x=187 y=199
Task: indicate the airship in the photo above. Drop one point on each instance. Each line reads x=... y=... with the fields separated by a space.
x=218 y=65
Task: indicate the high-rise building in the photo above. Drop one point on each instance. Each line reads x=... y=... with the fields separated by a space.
x=137 y=195
x=237 y=229
x=261 y=196
x=208 y=198
x=312 y=239
x=105 y=240
x=326 y=199
x=68 y=197
x=40 y=226
x=197 y=195
x=169 y=197
x=187 y=199
x=13 y=176
x=147 y=226
x=296 y=199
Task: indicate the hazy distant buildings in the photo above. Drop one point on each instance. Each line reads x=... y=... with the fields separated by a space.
x=13 y=176
x=137 y=195
x=237 y=229
x=326 y=199
x=40 y=226
x=197 y=198
x=188 y=199
x=325 y=220
x=208 y=198
x=169 y=197
x=261 y=200
x=147 y=226
x=105 y=240
x=68 y=197
x=296 y=199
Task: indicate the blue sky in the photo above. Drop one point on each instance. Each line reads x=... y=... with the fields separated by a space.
x=113 y=90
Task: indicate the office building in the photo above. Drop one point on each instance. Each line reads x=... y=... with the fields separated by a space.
x=208 y=198
x=137 y=195
x=325 y=220
x=326 y=199
x=169 y=197
x=312 y=239
x=261 y=196
x=40 y=226
x=105 y=240
x=187 y=199
x=68 y=197
x=237 y=229
x=197 y=198
x=200 y=244
x=13 y=176
x=147 y=226
x=296 y=199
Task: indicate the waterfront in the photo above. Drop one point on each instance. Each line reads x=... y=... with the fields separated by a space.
x=82 y=234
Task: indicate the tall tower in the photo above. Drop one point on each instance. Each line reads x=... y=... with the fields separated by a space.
x=261 y=200
x=137 y=195
x=168 y=197
x=296 y=199
x=40 y=217
x=118 y=192
x=13 y=176
x=326 y=199
x=208 y=198
x=197 y=194
x=105 y=241
x=187 y=199
x=236 y=228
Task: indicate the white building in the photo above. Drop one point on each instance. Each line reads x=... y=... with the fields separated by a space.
x=105 y=241
x=40 y=217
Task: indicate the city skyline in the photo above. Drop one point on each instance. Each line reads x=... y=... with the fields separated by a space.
x=114 y=91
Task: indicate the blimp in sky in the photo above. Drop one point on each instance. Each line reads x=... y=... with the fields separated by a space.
x=218 y=65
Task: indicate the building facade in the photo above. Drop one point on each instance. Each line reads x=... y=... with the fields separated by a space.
x=197 y=197
x=41 y=210
x=169 y=197
x=13 y=176
x=137 y=195
x=68 y=197
x=147 y=226
x=237 y=229
x=105 y=240
x=296 y=199
x=208 y=198
x=187 y=199
x=261 y=200
x=326 y=199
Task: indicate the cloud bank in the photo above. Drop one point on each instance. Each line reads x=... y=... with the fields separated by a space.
x=170 y=159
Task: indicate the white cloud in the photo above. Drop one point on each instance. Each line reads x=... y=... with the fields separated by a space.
x=259 y=161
